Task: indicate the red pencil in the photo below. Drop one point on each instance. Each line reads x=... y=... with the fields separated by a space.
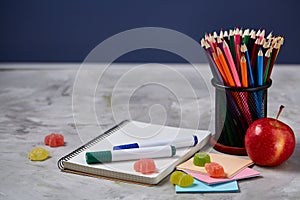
x=237 y=43
x=220 y=42
x=262 y=35
x=208 y=48
x=254 y=57
x=266 y=46
x=251 y=42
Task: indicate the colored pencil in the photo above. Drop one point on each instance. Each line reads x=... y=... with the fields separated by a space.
x=254 y=58
x=221 y=34
x=250 y=73
x=260 y=68
x=251 y=42
x=266 y=46
x=273 y=58
x=231 y=43
x=225 y=67
x=220 y=68
x=269 y=36
x=225 y=36
x=214 y=69
x=267 y=60
x=244 y=71
x=267 y=68
x=237 y=42
x=220 y=42
x=281 y=41
x=231 y=64
x=215 y=34
x=262 y=35
x=246 y=36
x=258 y=33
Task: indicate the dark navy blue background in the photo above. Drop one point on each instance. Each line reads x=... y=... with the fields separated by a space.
x=66 y=31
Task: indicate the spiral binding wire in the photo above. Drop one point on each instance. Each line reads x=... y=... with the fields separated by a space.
x=89 y=144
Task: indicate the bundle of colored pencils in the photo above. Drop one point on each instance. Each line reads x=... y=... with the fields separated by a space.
x=242 y=58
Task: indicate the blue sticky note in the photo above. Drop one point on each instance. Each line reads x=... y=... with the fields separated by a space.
x=199 y=186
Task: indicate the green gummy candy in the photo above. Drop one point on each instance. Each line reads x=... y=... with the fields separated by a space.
x=201 y=158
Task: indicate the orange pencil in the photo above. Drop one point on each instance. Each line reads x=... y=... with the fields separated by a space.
x=244 y=71
x=225 y=67
x=220 y=67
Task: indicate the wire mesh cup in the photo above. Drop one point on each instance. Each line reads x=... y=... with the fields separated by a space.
x=235 y=109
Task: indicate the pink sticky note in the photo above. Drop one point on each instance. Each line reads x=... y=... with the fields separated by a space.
x=245 y=173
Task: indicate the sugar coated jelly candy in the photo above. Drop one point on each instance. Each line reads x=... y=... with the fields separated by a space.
x=181 y=179
x=38 y=154
x=214 y=170
x=54 y=140
x=176 y=176
x=201 y=158
x=145 y=166
x=186 y=180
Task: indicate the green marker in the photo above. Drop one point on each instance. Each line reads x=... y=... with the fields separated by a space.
x=129 y=154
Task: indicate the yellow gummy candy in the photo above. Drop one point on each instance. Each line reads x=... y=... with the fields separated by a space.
x=38 y=154
x=182 y=179
x=175 y=177
x=186 y=180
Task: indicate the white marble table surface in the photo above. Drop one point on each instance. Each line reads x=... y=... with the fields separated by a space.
x=37 y=102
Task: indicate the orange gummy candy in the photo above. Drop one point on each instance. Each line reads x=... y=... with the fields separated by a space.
x=214 y=170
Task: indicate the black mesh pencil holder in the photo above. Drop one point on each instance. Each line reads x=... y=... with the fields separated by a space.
x=235 y=109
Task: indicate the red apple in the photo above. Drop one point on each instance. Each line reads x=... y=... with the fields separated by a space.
x=269 y=142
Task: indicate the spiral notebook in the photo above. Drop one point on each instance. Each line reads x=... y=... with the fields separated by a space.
x=129 y=132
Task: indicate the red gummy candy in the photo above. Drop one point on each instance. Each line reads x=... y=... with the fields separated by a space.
x=214 y=170
x=54 y=140
x=145 y=166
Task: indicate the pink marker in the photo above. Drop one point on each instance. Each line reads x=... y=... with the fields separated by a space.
x=231 y=64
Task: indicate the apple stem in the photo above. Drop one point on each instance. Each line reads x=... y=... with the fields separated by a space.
x=279 y=112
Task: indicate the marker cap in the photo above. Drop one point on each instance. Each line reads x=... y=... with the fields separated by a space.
x=98 y=157
x=173 y=150
x=195 y=140
x=126 y=146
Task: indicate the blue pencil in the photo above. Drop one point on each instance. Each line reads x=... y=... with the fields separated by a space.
x=260 y=77
x=260 y=68
x=251 y=81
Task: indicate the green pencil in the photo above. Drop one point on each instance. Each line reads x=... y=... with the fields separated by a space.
x=246 y=36
x=267 y=69
x=231 y=44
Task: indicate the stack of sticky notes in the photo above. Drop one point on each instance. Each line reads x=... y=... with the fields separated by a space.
x=235 y=168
